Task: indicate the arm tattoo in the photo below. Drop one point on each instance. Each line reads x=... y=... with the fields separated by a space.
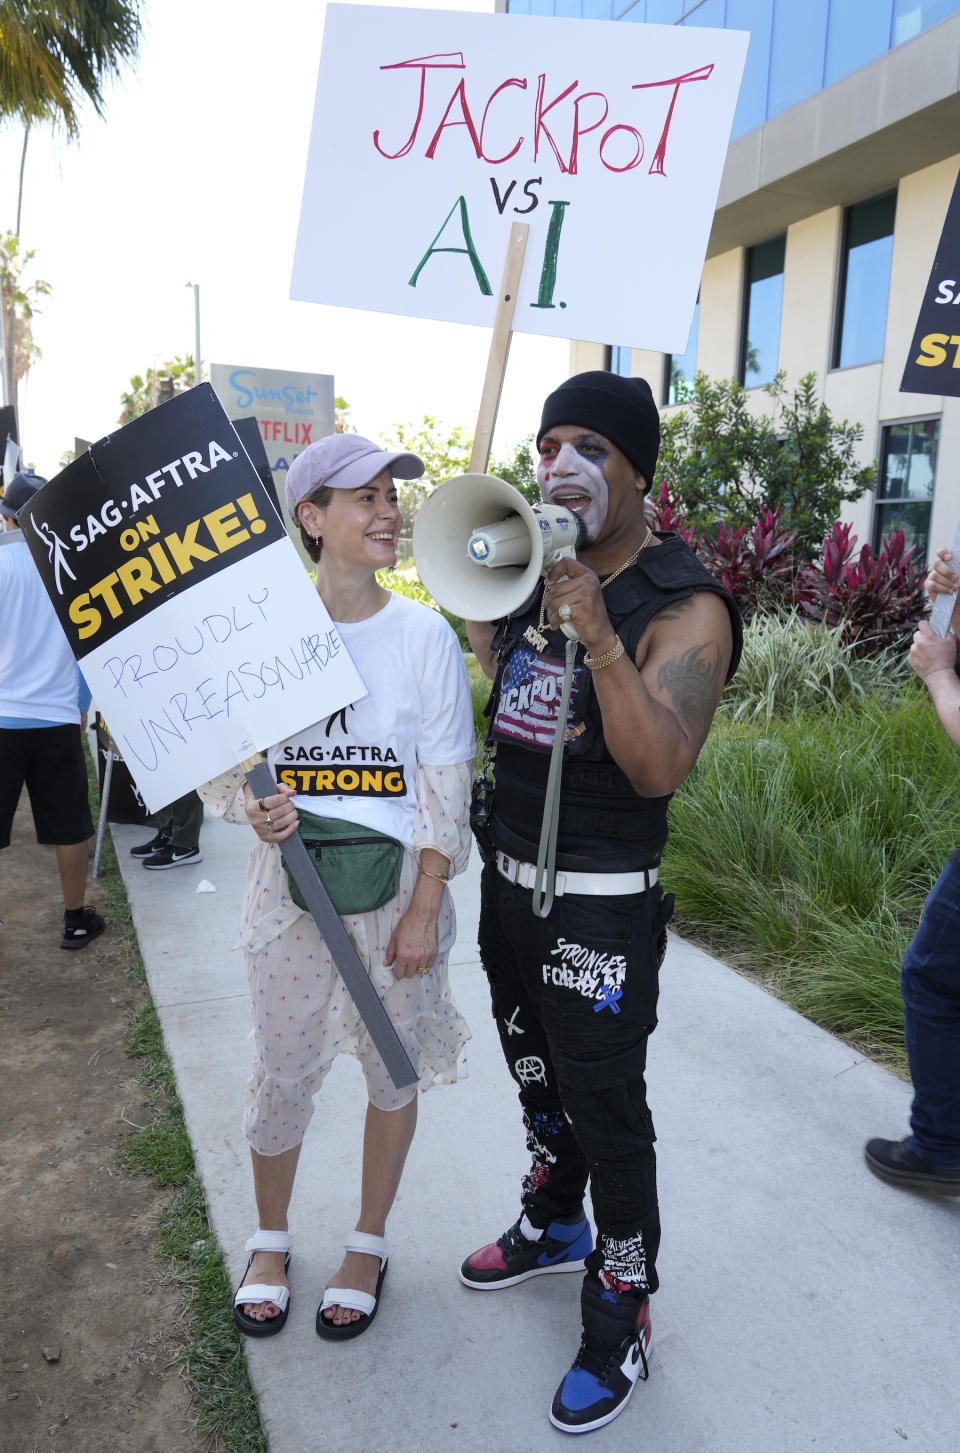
x=693 y=682
x=675 y=609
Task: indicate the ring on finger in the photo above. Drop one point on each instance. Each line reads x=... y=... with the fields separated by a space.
x=261 y=805
x=565 y=612
x=270 y=824
x=423 y=969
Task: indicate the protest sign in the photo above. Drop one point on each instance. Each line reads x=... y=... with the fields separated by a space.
x=434 y=131
x=197 y=628
x=292 y=409
x=933 y=364
x=248 y=432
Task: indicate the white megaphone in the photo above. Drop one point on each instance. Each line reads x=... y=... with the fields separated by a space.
x=480 y=548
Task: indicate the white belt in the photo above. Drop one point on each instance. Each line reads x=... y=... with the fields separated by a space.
x=608 y=884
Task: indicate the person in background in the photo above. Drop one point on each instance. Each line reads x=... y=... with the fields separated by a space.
x=929 y=1157
x=176 y=843
x=42 y=720
x=575 y=993
x=416 y=722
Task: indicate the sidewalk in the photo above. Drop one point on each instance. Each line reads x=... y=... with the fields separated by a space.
x=804 y=1303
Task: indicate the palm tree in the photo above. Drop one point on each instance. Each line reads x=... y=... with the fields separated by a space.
x=53 y=57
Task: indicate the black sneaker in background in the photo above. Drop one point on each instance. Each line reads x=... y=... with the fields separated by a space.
x=169 y=857
x=896 y=1162
x=80 y=927
x=153 y=846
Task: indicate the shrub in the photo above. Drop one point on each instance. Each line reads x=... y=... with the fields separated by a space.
x=877 y=600
x=758 y=567
x=789 y=666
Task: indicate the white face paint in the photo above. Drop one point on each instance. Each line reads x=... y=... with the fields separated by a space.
x=573 y=477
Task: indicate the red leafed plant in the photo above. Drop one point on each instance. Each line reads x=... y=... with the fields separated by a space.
x=878 y=599
x=663 y=514
x=758 y=566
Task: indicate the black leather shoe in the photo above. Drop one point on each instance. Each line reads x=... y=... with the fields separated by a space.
x=894 y=1161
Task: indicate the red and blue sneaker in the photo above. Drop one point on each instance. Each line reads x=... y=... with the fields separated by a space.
x=523 y=1252
x=612 y=1359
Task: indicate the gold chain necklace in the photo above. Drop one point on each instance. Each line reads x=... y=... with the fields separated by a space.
x=534 y=634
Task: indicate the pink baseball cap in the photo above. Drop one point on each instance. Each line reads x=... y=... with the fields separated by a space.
x=344 y=461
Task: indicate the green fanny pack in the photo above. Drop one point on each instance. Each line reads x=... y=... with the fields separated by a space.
x=359 y=868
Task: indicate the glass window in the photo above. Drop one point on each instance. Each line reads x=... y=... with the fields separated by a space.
x=709 y=12
x=796 y=56
x=567 y=9
x=761 y=323
x=618 y=359
x=596 y=9
x=756 y=16
x=681 y=367
x=856 y=34
x=666 y=12
x=864 y=282
x=908 y=465
x=912 y=16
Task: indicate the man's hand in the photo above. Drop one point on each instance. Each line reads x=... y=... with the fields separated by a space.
x=931 y=653
x=572 y=584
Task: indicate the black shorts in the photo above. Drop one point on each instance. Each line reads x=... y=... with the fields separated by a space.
x=50 y=761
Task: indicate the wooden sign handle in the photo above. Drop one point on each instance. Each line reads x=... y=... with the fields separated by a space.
x=499 y=348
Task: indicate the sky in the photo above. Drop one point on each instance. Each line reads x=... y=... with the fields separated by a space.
x=195 y=177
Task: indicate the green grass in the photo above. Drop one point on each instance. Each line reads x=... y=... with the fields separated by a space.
x=804 y=846
x=211 y=1358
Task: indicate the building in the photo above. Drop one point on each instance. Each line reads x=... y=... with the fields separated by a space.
x=843 y=157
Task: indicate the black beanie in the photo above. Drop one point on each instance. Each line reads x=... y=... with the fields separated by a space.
x=622 y=409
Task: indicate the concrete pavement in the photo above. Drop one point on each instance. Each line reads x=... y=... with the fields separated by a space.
x=804 y=1303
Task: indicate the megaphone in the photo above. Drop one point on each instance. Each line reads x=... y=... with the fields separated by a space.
x=480 y=548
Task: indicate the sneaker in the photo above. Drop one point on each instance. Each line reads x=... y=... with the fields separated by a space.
x=514 y=1257
x=613 y=1357
x=898 y=1163
x=168 y=857
x=153 y=846
x=81 y=927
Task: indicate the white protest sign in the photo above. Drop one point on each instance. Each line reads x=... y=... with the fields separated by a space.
x=434 y=131
x=195 y=624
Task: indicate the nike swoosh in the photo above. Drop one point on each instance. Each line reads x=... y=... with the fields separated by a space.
x=545 y=1260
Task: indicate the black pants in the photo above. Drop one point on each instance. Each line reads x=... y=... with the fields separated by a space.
x=575 y=999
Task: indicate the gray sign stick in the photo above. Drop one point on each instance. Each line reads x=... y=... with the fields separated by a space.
x=344 y=955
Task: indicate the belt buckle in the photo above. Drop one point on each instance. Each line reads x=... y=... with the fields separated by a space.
x=508 y=867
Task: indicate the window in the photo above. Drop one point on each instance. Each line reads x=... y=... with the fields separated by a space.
x=864 y=281
x=908 y=464
x=618 y=359
x=681 y=367
x=761 y=315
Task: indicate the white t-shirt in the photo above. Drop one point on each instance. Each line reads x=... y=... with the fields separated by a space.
x=360 y=764
x=38 y=674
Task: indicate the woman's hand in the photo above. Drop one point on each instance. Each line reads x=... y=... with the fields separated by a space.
x=942 y=579
x=273 y=817
x=413 y=944
x=931 y=653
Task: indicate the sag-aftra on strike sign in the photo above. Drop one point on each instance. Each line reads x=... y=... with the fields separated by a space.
x=193 y=620
x=434 y=131
x=933 y=366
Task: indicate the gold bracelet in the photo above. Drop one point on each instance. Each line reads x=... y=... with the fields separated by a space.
x=596 y=663
x=437 y=877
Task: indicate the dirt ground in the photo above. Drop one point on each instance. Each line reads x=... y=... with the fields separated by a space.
x=89 y=1329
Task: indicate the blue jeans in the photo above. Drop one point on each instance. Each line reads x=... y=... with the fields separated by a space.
x=930 y=985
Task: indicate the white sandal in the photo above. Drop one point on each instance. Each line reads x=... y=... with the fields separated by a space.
x=258 y=1293
x=357 y=1301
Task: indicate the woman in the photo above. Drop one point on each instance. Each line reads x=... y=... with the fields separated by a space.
x=415 y=730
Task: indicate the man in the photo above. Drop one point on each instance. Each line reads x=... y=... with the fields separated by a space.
x=574 y=995
x=41 y=723
x=929 y=1157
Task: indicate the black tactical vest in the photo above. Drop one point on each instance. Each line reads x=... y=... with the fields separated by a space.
x=604 y=826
